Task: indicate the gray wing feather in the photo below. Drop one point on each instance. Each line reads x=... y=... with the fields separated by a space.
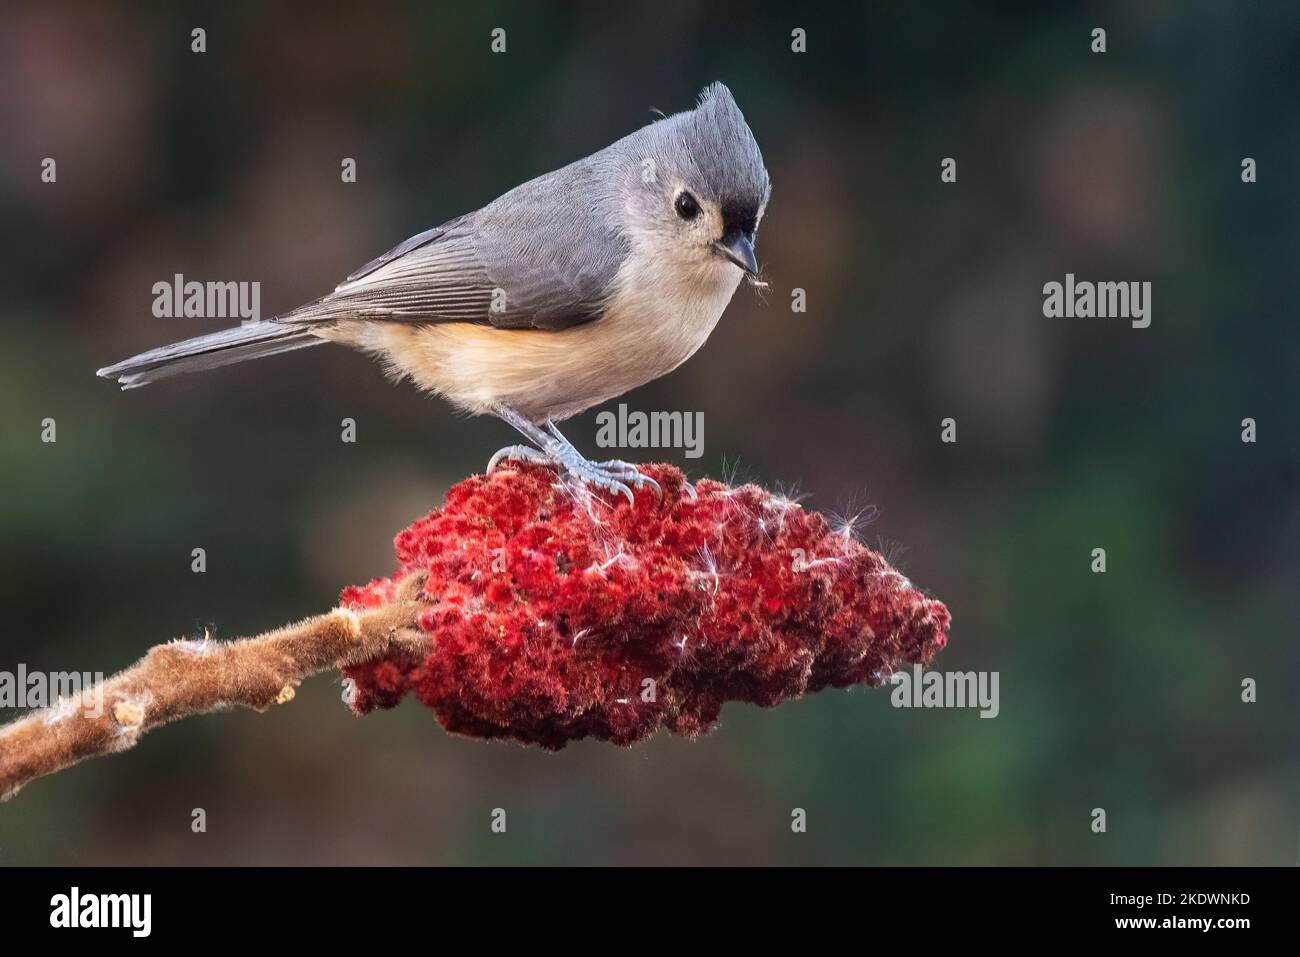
x=542 y=256
x=401 y=249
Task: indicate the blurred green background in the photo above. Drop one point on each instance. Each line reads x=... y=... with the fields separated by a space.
x=1120 y=691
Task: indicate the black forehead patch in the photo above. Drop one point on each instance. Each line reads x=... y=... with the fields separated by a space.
x=739 y=215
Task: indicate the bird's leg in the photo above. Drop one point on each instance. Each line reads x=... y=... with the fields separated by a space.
x=552 y=448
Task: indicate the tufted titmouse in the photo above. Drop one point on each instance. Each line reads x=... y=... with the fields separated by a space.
x=565 y=292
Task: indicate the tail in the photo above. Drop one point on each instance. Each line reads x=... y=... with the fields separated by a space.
x=210 y=352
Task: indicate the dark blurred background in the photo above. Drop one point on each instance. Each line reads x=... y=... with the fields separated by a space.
x=1120 y=691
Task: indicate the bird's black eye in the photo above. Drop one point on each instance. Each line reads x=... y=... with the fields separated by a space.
x=686 y=206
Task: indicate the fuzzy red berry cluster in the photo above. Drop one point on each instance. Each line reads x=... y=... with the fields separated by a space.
x=556 y=614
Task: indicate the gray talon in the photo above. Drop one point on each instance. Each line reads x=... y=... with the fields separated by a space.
x=591 y=475
x=658 y=490
x=523 y=453
x=618 y=488
x=630 y=473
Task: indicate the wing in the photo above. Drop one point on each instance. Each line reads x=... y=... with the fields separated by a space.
x=401 y=249
x=543 y=256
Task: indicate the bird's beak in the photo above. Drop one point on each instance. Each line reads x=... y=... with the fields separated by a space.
x=737 y=247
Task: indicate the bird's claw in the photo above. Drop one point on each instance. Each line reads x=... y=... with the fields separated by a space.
x=592 y=474
x=614 y=476
x=521 y=453
x=629 y=473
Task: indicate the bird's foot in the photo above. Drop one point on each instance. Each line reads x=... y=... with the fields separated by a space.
x=614 y=476
x=632 y=474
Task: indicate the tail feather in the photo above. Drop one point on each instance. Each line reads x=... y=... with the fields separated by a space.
x=210 y=352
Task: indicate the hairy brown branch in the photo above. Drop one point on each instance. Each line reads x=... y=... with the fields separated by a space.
x=190 y=677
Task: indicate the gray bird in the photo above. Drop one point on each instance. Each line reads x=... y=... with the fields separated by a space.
x=563 y=293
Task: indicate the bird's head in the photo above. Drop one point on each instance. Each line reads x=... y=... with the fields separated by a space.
x=703 y=187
